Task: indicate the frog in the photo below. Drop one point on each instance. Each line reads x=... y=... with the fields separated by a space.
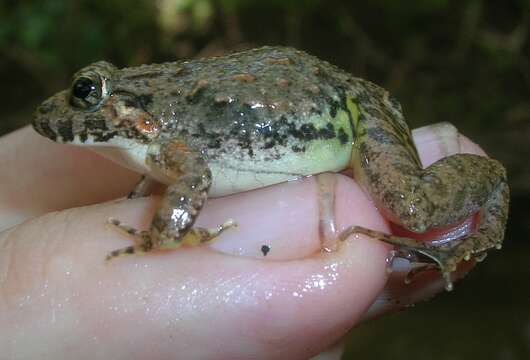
x=221 y=125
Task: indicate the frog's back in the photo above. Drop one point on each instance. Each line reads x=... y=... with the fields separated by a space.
x=263 y=84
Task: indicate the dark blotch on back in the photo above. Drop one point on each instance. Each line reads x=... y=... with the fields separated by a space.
x=145 y=100
x=333 y=107
x=308 y=132
x=343 y=137
x=104 y=137
x=297 y=148
x=95 y=124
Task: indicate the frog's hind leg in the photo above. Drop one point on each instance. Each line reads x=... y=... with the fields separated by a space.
x=446 y=257
x=489 y=234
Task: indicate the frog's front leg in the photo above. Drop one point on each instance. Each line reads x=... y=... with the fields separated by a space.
x=180 y=205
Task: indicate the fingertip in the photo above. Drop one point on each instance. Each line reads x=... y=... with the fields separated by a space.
x=468 y=146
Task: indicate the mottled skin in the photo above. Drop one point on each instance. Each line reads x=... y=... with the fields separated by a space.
x=243 y=121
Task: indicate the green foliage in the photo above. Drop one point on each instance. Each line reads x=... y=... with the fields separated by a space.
x=64 y=34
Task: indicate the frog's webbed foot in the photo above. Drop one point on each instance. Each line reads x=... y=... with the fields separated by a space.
x=444 y=257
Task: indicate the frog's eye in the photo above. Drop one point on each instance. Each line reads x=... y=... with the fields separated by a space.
x=86 y=92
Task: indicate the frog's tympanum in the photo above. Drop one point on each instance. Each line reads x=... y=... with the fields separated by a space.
x=222 y=125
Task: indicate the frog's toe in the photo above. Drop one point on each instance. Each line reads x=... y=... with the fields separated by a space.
x=418 y=270
x=142 y=240
x=446 y=259
x=129 y=250
x=139 y=248
x=427 y=260
x=129 y=230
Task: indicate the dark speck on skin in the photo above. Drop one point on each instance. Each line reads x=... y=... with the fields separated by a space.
x=265 y=249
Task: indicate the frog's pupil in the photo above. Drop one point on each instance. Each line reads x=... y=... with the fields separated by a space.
x=83 y=87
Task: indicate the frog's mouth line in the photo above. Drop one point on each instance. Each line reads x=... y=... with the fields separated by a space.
x=125 y=152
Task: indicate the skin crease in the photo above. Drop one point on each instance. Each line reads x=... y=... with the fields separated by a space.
x=59 y=300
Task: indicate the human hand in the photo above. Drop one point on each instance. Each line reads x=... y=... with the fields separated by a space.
x=225 y=300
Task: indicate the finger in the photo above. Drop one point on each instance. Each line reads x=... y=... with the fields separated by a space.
x=39 y=176
x=59 y=298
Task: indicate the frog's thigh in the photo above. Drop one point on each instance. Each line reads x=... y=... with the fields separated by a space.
x=489 y=234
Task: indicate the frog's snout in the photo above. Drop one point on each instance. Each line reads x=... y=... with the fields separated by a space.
x=56 y=120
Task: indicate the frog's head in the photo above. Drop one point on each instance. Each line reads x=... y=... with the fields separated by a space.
x=92 y=112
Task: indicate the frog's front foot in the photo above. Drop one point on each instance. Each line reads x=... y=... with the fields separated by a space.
x=146 y=241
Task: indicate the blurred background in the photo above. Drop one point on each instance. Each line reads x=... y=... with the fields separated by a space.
x=466 y=62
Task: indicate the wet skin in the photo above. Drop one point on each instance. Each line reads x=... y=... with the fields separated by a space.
x=218 y=126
